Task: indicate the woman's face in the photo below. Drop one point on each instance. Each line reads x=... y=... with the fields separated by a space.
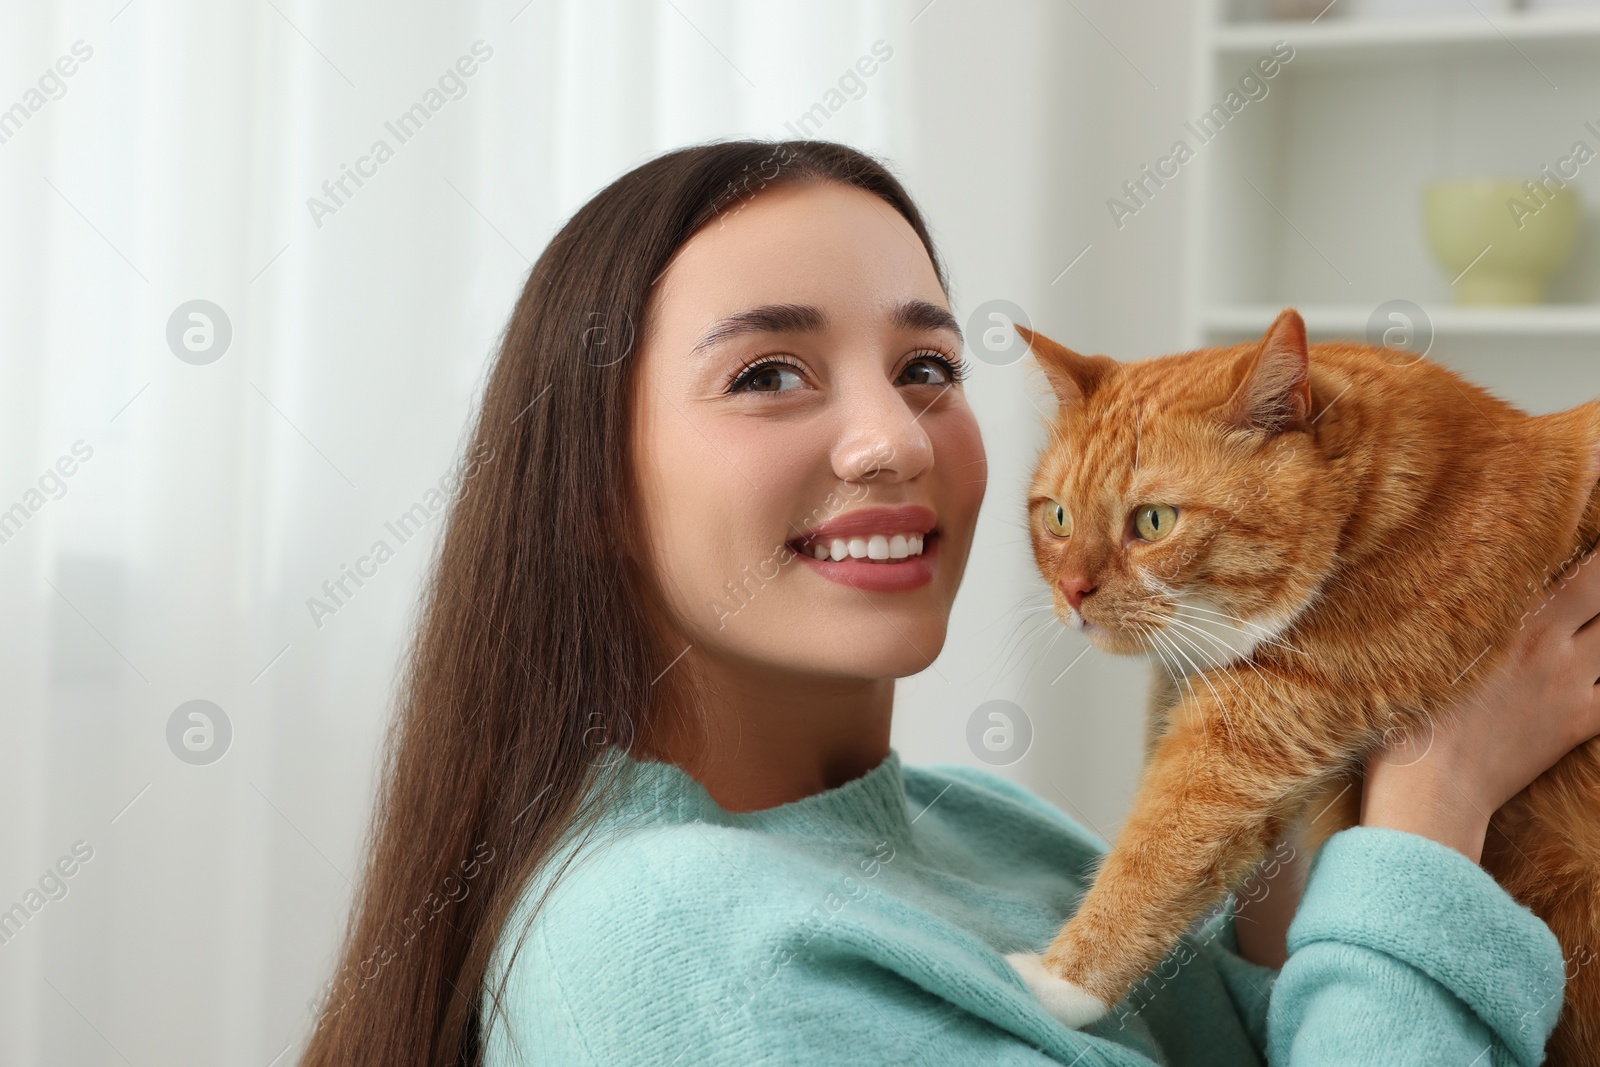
x=796 y=399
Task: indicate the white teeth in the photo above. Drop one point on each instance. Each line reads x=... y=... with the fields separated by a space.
x=884 y=547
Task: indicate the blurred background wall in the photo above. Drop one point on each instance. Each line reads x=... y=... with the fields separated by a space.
x=220 y=381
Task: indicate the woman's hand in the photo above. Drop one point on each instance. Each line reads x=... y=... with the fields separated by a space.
x=1537 y=705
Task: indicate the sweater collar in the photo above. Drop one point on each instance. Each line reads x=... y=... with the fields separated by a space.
x=872 y=805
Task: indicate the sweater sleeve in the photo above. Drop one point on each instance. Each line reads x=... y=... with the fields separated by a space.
x=1246 y=985
x=1402 y=951
x=1405 y=951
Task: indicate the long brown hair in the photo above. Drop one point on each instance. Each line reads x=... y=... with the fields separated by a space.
x=536 y=644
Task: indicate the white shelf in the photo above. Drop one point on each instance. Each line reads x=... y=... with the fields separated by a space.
x=1311 y=198
x=1547 y=320
x=1335 y=38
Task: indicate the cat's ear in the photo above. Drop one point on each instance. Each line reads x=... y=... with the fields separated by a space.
x=1072 y=377
x=1275 y=393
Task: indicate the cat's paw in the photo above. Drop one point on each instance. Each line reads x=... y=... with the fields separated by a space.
x=1075 y=1006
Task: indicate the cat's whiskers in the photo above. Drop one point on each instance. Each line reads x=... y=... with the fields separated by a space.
x=1017 y=620
x=1215 y=663
x=1021 y=639
x=1182 y=677
x=1041 y=657
x=1019 y=609
x=1151 y=635
x=1019 y=643
x=1256 y=637
x=1222 y=705
x=1173 y=675
x=1212 y=662
x=1255 y=632
x=1270 y=722
x=1267 y=721
x=1227 y=679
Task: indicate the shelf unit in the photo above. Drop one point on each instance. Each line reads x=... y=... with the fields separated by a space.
x=1553 y=320
x=1310 y=195
x=1369 y=38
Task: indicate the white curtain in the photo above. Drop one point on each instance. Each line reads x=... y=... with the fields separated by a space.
x=240 y=346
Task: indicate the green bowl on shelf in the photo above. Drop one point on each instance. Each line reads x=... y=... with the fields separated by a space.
x=1498 y=240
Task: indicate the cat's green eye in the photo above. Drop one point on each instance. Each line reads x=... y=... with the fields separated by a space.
x=1056 y=519
x=1155 y=521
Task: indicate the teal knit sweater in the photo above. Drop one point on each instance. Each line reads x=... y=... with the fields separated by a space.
x=867 y=924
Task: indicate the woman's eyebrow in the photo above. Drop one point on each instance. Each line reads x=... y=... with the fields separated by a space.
x=923 y=315
x=808 y=318
x=768 y=318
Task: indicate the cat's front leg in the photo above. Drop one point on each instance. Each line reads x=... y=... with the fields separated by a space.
x=1209 y=807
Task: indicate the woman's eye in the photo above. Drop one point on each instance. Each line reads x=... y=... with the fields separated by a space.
x=924 y=372
x=931 y=369
x=766 y=378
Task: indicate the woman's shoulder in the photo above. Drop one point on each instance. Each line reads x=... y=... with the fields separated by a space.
x=638 y=925
x=667 y=888
x=622 y=877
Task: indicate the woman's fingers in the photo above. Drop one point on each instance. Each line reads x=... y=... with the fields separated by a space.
x=1587 y=639
x=1575 y=607
x=1575 y=598
x=1586 y=647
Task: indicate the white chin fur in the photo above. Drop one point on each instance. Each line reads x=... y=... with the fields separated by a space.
x=1072 y=1005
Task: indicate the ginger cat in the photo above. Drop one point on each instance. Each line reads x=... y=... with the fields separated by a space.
x=1330 y=544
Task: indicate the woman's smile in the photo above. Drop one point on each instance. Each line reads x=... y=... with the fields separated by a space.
x=881 y=550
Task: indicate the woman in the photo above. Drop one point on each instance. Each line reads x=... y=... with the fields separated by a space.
x=640 y=804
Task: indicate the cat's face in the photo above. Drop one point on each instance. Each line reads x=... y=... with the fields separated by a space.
x=1174 y=511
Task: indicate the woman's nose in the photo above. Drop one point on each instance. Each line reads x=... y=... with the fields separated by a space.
x=883 y=437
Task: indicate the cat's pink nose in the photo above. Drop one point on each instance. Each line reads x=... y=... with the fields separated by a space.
x=1075 y=587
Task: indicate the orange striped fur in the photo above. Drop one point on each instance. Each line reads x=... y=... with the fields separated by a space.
x=1359 y=533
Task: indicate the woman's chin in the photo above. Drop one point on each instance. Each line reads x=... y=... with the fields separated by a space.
x=908 y=651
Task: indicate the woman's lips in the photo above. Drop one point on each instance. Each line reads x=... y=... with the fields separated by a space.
x=880 y=576
x=860 y=522
x=907 y=531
